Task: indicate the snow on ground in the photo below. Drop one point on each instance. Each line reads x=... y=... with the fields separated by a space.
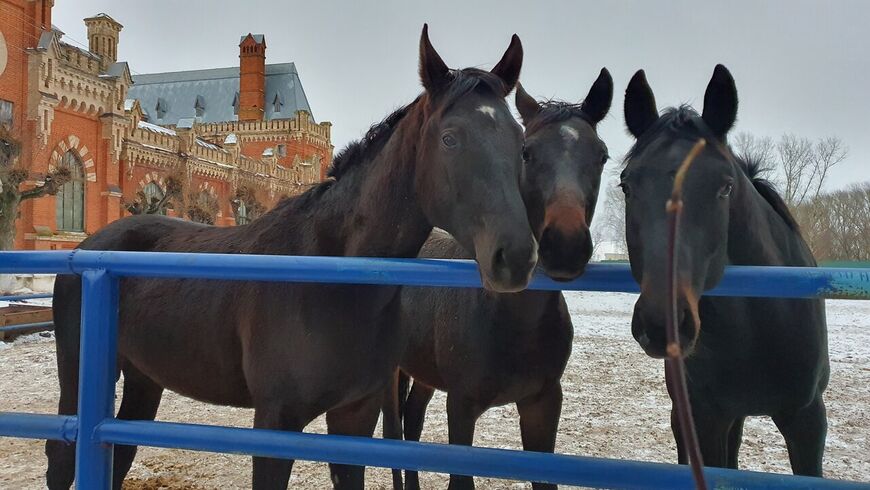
x=615 y=406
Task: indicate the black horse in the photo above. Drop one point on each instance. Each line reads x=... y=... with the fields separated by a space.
x=747 y=356
x=452 y=159
x=487 y=349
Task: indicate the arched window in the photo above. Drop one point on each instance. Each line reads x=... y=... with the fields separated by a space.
x=70 y=200
x=242 y=214
x=153 y=195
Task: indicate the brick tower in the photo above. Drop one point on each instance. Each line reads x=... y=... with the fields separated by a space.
x=252 y=77
x=103 y=38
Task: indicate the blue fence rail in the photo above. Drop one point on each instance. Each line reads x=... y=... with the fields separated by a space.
x=95 y=430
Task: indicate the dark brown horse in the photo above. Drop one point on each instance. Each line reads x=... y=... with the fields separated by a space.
x=752 y=356
x=452 y=159
x=487 y=349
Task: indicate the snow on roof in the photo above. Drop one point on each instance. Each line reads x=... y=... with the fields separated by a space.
x=128 y=104
x=156 y=129
x=231 y=139
x=206 y=144
x=80 y=50
x=268 y=152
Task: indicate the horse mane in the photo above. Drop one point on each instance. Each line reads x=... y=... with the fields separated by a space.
x=684 y=122
x=369 y=145
x=357 y=153
x=466 y=80
x=755 y=171
x=461 y=82
x=555 y=111
x=681 y=122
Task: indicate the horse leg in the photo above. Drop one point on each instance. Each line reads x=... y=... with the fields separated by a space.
x=392 y=429
x=415 y=415
x=735 y=438
x=804 y=430
x=462 y=415
x=357 y=419
x=61 y=455
x=140 y=401
x=271 y=473
x=713 y=432
x=539 y=421
x=682 y=457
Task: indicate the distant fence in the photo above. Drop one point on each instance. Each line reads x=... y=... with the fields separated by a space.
x=96 y=430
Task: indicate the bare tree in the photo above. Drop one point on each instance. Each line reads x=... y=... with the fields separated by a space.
x=610 y=221
x=836 y=225
x=749 y=147
x=801 y=166
x=828 y=152
x=202 y=207
x=12 y=177
x=795 y=156
x=253 y=208
x=145 y=205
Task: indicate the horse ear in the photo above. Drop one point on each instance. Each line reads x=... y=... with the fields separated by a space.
x=597 y=101
x=526 y=104
x=508 y=69
x=433 y=71
x=640 y=105
x=720 y=102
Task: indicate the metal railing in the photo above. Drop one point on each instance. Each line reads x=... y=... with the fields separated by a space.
x=96 y=430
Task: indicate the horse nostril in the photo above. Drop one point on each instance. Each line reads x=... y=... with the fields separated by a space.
x=547 y=238
x=499 y=260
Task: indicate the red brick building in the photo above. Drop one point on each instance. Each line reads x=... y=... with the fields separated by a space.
x=216 y=130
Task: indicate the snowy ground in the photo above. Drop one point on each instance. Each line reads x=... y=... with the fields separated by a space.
x=615 y=406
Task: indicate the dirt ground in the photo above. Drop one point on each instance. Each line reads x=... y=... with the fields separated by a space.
x=615 y=406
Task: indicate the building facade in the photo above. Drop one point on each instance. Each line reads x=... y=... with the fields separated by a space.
x=221 y=133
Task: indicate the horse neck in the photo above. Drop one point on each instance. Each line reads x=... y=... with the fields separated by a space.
x=758 y=235
x=526 y=309
x=371 y=210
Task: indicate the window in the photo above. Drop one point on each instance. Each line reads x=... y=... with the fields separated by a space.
x=282 y=150
x=236 y=104
x=153 y=195
x=278 y=103
x=6 y=108
x=161 y=108
x=199 y=105
x=70 y=200
x=242 y=214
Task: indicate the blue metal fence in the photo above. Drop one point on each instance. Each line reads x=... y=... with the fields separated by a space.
x=95 y=429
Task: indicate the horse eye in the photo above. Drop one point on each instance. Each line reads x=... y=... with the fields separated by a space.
x=725 y=191
x=449 y=140
x=605 y=158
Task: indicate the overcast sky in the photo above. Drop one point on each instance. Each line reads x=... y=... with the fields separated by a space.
x=800 y=67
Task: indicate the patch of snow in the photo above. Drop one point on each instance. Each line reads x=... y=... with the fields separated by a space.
x=268 y=152
x=128 y=104
x=156 y=129
x=152 y=147
x=206 y=144
x=231 y=139
x=32 y=338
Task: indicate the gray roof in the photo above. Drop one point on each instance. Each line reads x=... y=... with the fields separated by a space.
x=258 y=38
x=216 y=89
x=118 y=69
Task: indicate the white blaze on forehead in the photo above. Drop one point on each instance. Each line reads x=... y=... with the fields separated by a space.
x=488 y=110
x=569 y=133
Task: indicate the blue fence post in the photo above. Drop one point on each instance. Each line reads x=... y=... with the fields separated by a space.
x=96 y=378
